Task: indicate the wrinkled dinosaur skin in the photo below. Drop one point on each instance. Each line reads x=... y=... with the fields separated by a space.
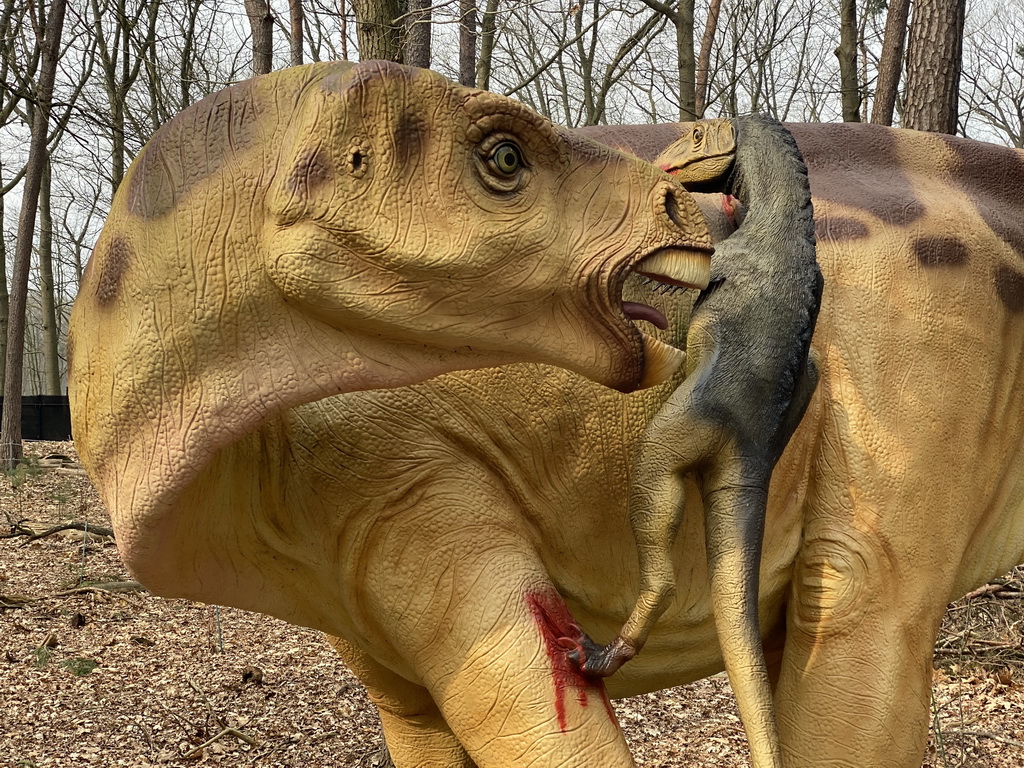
x=337 y=228
x=747 y=385
x=461 y=534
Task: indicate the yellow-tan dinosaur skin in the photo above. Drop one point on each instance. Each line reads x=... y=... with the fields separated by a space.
x=341 y=227
x=437 y=528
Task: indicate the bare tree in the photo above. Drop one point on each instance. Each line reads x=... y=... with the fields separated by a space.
x=296 y=38
x=379 y=28
x=704 y=57
x=48 y=39
x=933 y=65
x=488 y=29
x=47 y=291
x=261 y=23
x=12 y=19
x=121 y=59
x=847 y=55
x=890 y=66
x=417 y=45
x=681 y=17
x=467 y=42
x=994 y=75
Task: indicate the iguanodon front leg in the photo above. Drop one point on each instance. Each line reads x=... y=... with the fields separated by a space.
x=465 y=603
x=415 y=731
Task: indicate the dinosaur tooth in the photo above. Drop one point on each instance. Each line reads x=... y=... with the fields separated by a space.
x=677 y=266
x=661 y=360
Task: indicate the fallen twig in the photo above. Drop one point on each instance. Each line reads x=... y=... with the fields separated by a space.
x=17 y=529
x=14 y=601
x=77 y=525
x=986 y=735
x=985 y=589
x=226 y=732
x=19 y=601
x=70 y=471
x=107 y=586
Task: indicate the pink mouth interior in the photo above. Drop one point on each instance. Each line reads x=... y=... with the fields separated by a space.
x=635 y=311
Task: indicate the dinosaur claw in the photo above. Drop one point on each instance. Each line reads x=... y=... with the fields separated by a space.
x=596 y=660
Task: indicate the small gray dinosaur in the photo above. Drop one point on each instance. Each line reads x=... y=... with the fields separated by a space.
x=749 y=381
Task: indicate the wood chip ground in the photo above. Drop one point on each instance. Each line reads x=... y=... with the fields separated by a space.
x=93 y=677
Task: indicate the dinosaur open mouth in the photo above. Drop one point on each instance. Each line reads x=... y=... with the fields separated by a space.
x=672 y=267
x=679 y=268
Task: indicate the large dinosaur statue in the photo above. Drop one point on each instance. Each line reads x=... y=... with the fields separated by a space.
x=341 y=227
x=461 y=534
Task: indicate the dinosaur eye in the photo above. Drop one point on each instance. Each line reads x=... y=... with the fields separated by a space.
x=698 y=134
x=506 y=158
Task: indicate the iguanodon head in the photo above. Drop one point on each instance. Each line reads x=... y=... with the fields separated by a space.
x=406 y=207
x=339 y=227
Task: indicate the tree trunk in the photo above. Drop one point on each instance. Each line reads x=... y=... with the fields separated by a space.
x=890 y=66
x=261 y=23
x=682 y=18
x=704 y=57
x=847 y=55
x=467 y=42
x=379 y=29
x=933 y=65
x=417 y=36
x=342 y=14
x=10 y=426
x=488 y=30
x=5 y=298
x=186 y=69
x=297 y=19
x=47 y=290
x=687 y=66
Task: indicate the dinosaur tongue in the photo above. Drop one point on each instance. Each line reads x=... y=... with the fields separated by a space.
x=635 y=311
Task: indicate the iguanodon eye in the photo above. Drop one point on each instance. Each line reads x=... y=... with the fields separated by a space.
x=506 y=158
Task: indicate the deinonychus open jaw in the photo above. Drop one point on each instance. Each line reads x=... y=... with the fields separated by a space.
x=679 y=268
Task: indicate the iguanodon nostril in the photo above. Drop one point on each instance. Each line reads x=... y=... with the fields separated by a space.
x=672 y=207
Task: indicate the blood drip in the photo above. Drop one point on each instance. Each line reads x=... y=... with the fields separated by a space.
x=562 y=635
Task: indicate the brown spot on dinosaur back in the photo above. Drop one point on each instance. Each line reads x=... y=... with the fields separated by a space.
x=835 y=156
x=191 y=147
x=113 y=265
x=1010 y=288
x=940 y=251
x=993 y=177
x=839 y=228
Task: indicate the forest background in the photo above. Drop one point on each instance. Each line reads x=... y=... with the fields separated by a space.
x=84 y=85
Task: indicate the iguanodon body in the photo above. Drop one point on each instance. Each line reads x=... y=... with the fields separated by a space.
x=459 y=535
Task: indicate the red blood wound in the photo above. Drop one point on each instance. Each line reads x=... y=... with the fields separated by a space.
x=561 y=636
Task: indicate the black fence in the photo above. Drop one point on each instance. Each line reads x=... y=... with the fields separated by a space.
x=44 y=417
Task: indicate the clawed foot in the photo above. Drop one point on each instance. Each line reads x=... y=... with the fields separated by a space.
x=601 y=661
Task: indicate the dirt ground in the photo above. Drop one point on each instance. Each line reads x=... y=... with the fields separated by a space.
x=96 y=672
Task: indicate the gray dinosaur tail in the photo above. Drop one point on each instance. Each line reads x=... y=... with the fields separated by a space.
x=734 y=522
